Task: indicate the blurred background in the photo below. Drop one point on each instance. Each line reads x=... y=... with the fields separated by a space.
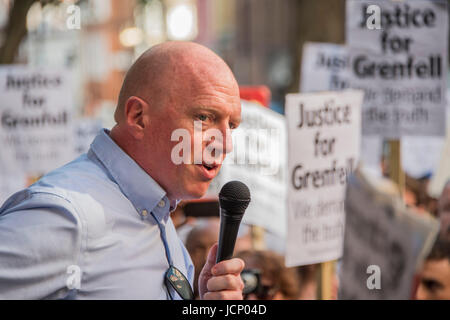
x=262 y=42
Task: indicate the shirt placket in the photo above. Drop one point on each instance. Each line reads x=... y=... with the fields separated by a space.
x=161 y=214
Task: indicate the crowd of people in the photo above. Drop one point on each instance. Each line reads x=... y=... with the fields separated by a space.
x=267 y=278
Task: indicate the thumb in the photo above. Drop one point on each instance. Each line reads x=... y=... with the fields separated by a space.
x=211 y=260
x=206 y=273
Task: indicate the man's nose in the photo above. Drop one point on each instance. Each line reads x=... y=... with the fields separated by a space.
x=224 y=141
x=420 y=295
x=228 y=143
x=220 y=143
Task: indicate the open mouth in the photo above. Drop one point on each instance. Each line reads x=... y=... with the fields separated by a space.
x=209 y=170
x=209 y=167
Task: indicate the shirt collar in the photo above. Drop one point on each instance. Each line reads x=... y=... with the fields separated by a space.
x=145 y=194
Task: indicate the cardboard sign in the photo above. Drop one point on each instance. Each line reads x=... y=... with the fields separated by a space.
x=420 y=155
x=86 y=129
x=441 y=174
x=36 y=129
x=259 y=159
x=325 y=67
x=401 y=64
x=10 y=184
x=324 y=132
x=385 y=242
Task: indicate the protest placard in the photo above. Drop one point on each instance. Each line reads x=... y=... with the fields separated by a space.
x=10 y=184
x=86 y=129
x=325 y=67
x=36 y=119
x=324 y=132
x=420 y=155
x=401 y=64
x=384 y=242
x=441 y=174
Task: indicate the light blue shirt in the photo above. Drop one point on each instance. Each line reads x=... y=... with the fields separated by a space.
x=96 y=228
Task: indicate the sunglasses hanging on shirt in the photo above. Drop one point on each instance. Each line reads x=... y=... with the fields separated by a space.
x=176 y=280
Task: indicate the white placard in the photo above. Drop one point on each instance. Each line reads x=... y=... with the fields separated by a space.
x=10 y=184
x=420 y=155
x=86 y=129
x=402 y=66
x=441 y=175
x=324 y=141
x=259 y=159
x=36 y=132
x=325 y=67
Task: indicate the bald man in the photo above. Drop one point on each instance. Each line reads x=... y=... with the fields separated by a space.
x=100 y=227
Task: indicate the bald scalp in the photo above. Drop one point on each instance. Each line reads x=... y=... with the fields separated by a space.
x=168 y=71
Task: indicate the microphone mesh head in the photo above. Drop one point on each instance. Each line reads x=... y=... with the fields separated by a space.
x=234 y=197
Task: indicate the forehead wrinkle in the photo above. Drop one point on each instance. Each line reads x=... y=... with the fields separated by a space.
x=218 y=101
x=169 y=73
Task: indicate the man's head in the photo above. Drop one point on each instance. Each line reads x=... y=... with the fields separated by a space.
x=435 y=275
x=168 y=88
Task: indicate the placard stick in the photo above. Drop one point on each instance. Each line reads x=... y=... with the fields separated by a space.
x=257 y=233
x=395 y=165
x=325 y=280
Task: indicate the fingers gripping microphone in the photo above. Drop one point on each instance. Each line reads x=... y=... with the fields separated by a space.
x=234 y=198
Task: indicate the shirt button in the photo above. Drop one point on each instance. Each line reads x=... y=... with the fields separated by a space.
x=144 y=213
x=161 y=204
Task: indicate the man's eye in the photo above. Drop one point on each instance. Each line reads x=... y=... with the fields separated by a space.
x=431 y=284
x=202 y=117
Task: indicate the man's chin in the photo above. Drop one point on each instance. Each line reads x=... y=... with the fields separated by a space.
x=196 y=191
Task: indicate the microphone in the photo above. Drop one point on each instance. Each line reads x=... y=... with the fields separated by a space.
x=234 y=198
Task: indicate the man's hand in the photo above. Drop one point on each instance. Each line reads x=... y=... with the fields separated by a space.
x=221 y=281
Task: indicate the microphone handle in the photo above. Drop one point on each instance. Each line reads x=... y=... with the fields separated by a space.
x=229 y=227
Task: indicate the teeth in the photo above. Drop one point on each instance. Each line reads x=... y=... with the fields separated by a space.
x=208 y=166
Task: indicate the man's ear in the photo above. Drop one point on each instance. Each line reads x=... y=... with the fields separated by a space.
x=135 y=109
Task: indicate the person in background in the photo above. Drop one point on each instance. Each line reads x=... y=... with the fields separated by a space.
x=435 y=274
x=416 y=195
x=430 y=202
x=198 y=242
x=444 y=211
x=202 y=237
x=277 y=282
x=308 y=279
